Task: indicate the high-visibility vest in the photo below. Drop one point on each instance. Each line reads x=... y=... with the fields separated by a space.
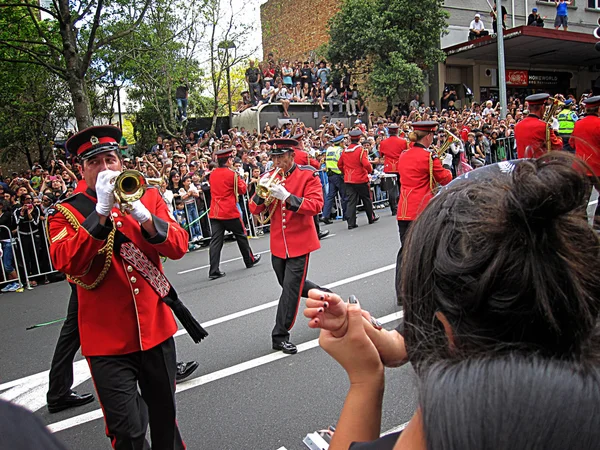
x=565 y=122
x=332 y=156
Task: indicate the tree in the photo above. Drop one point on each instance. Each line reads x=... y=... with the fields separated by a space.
x=226 y=32
x=152 y=60
x=67 y=42
x=32 y=112
x=399 y=41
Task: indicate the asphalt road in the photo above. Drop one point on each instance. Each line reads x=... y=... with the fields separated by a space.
x=244 y=395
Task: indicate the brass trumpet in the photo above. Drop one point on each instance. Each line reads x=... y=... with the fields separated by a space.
x=130 y=186
x=549 y=118
x=263 y=190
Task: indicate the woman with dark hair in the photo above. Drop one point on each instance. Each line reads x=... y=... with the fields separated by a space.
x=500 y=261
x=501 y=403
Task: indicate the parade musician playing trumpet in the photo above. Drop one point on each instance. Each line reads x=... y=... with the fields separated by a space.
x=420 y=171
x=294 y=197
x=532 y=134
x=125 y=324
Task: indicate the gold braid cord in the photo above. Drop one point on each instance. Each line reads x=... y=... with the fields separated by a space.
x=431 y=179
x=107 y=250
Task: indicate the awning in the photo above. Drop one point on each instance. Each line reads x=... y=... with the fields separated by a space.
x=533 y=45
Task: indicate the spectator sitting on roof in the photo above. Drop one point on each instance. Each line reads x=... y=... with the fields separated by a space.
x=477 y=28
x=535 y=19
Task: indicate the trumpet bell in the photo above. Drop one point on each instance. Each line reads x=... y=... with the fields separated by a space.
x=263 y=188
x=130 y=186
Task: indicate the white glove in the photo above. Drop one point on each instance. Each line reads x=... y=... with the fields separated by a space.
x=447 y=160
x=105 y=188
x=139 y=212
x=279 y=192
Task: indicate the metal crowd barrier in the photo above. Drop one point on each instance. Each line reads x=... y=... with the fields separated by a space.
x=193 y=217
x=506 y=150
x=12 y=248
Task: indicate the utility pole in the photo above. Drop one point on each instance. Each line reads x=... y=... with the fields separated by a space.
x=501 y=65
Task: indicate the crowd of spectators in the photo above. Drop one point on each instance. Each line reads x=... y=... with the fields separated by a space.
x=286 y=82
x=182 y=166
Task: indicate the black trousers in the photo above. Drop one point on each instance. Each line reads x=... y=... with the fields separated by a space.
x=403 y=227
x=61 y=369
x=126 y=412
x=219 y=226
x=291 y=276
x=356 y=192
x=393 y=192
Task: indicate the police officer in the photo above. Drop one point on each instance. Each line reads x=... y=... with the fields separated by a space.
x=566 y=122
x=293 y=202
x=354 y=164
x=530 y=133
x=390 y=149
x=336 y=179
x=585 y=139
x=225 y=186
x=126 y=327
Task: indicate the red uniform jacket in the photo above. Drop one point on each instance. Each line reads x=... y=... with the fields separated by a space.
x=123 y=314
x=354 y=164
x=223 y=201
x=586 y=141
x=293 y=231
x=391 y=148
x=531 y=133
x=415 y=188
x=302 y=158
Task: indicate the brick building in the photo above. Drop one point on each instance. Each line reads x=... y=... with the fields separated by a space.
x=296 y=29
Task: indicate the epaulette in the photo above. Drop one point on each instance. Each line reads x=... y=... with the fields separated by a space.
x=306 y=167
x=72 y=199
x=309 y=169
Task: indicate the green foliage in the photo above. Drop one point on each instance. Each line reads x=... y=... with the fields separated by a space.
x=395 y=42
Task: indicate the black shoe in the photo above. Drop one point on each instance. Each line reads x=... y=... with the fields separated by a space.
x=323 y=234
x=185 y=369
x=352 y=227
x=255 y=262
x=375 y=219
x=70 y=401
x=285 y=347
x=326 y=221
x=214 y=276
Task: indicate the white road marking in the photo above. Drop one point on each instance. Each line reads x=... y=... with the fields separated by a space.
x=30 y=392
x=272 y=304
x=222 y=262
x=209 y=378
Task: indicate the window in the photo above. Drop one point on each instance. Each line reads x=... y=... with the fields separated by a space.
x=594 y=4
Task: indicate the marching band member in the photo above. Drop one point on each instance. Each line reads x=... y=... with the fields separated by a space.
x=354 y=164
x=295 y=200
x=418 y=167
x=586 y=142
x=530 y=133
x=303 y=158
x=225 y=185
x=390 y=149
x=125 y=325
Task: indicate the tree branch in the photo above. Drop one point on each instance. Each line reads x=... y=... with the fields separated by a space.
x=124 y=33
x=90 y=47
x=29 y=5
x=82 y=14
x=59 y=71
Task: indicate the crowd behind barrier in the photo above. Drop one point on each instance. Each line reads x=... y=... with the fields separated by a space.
x=183 y=164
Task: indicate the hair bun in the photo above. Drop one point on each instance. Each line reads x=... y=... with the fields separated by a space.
x=547 y=188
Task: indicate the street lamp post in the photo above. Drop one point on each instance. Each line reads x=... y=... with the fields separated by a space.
x=226 y=46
